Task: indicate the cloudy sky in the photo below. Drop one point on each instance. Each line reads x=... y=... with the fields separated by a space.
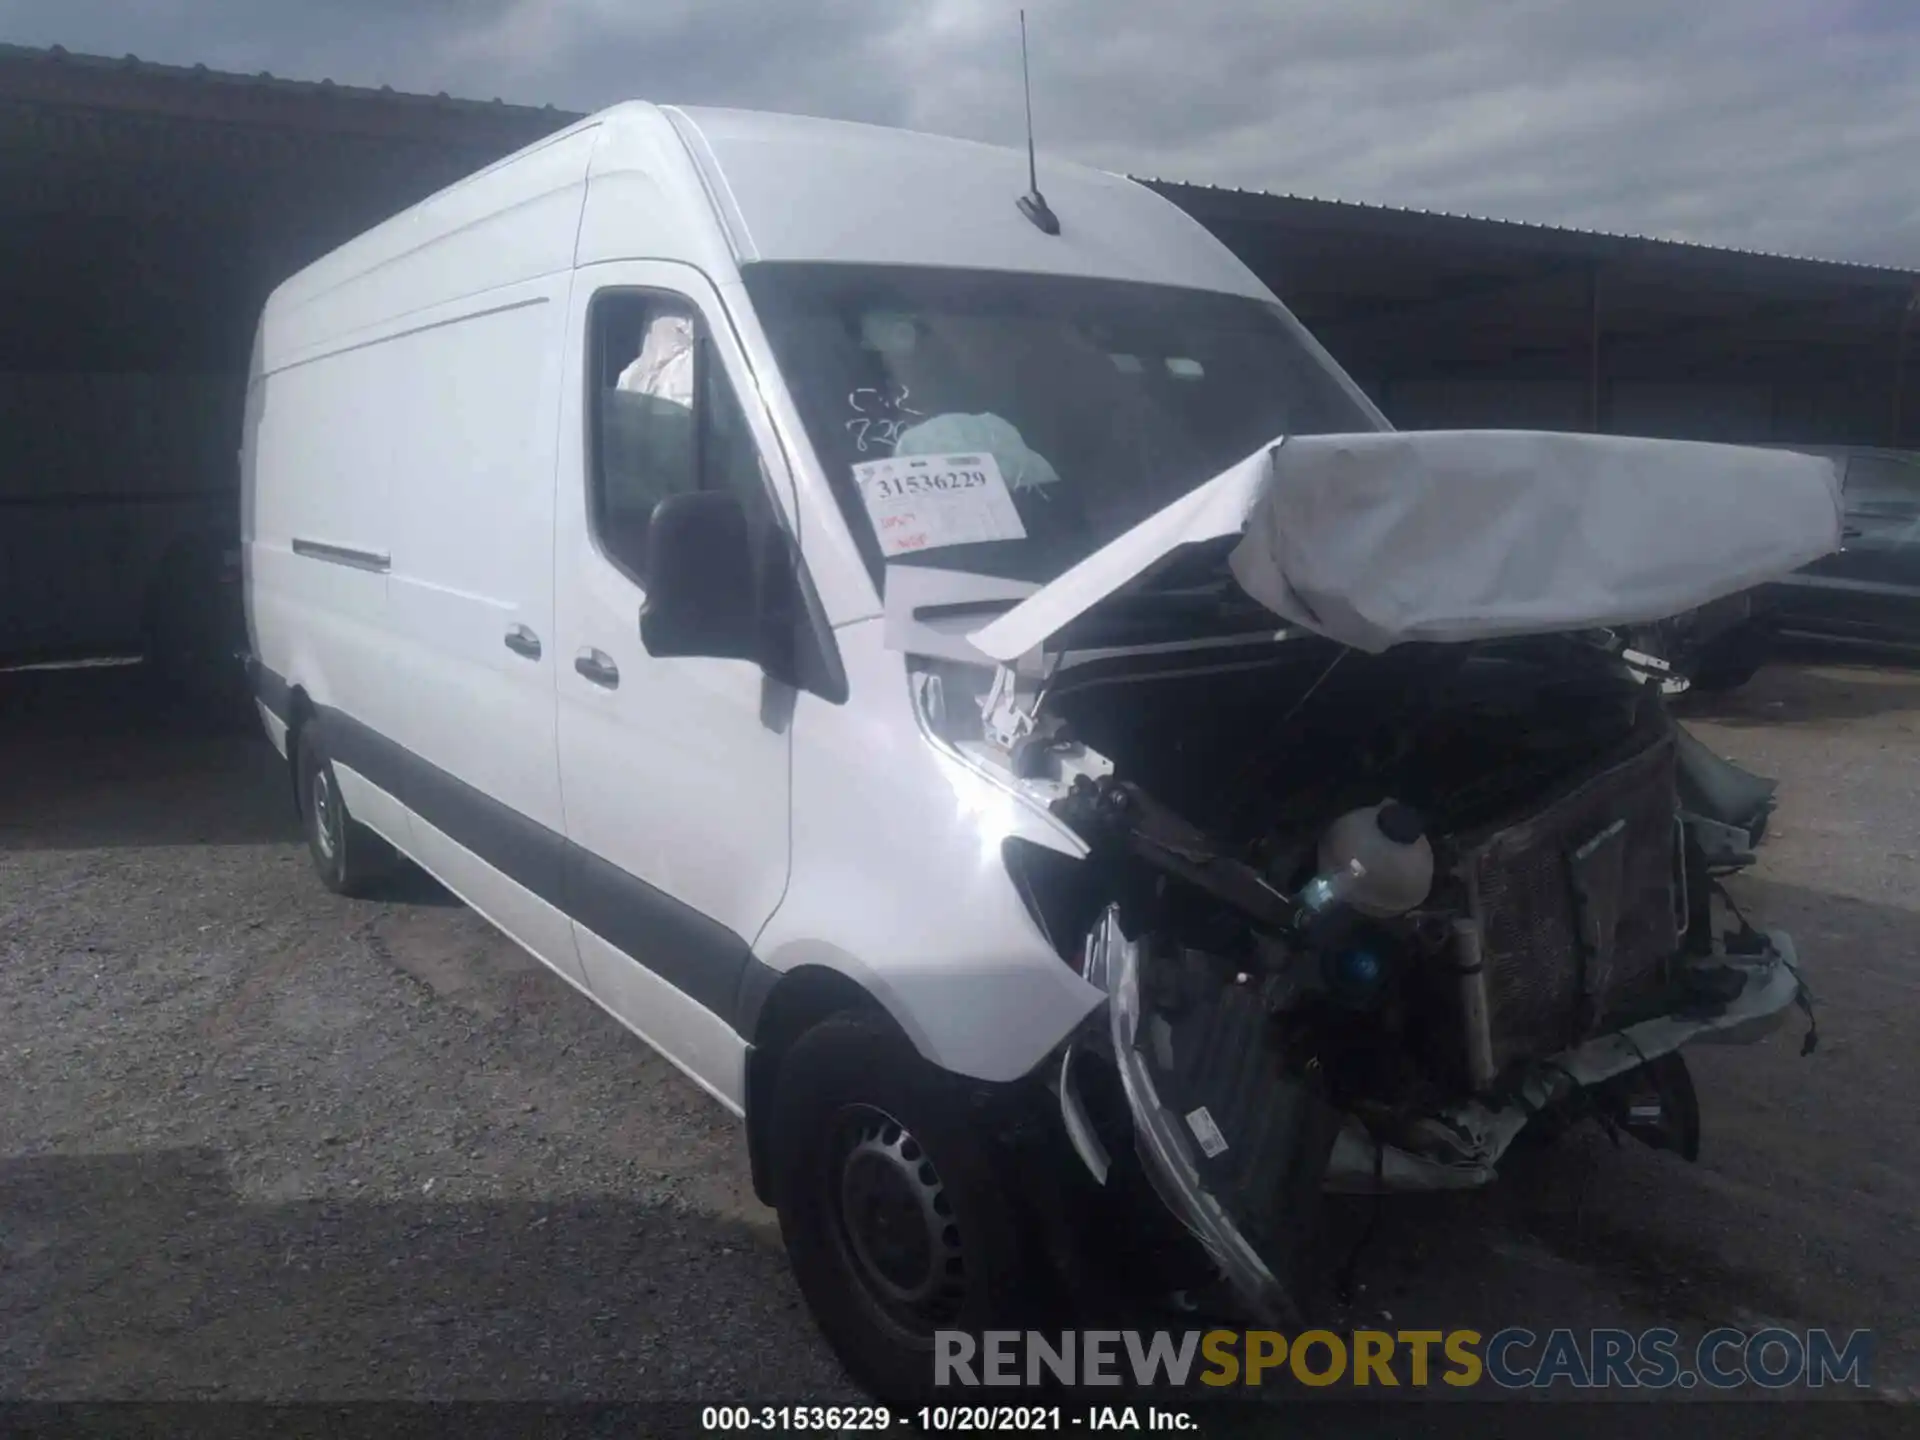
x=1787 y=125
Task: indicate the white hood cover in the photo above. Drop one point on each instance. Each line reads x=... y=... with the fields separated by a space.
x=1375 y=539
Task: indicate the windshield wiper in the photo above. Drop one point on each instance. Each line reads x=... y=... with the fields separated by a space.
x=1155 y=616
x=1156 y=608
x=965 y=609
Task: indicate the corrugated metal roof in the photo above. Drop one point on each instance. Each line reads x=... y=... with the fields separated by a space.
x=133 y=65
x=1526 y=226
x=37 y=85
x=56 y=63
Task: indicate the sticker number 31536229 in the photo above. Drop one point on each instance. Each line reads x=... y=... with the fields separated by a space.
x=923 y=502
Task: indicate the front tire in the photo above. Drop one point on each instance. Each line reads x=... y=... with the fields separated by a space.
x=1730 y=661
x=349 y=858
x=896 y=1219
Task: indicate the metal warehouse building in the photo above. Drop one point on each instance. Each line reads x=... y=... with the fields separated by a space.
x=147 y=211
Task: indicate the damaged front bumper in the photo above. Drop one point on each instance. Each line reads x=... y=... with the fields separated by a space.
x=1476 y=1134
x=1164 y=1140
x=1462 y=1145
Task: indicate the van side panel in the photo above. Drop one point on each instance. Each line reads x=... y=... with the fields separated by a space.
x=469 y=407
x=466 y=413
x=400 y=466
x=320 y=544
x=511 y=223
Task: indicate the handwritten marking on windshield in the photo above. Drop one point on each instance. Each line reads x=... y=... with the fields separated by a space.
x=879 y=418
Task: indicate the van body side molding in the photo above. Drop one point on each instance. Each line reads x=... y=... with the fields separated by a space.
x=343 y=555
x=695 y=954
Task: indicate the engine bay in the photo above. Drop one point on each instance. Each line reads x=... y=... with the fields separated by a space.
x=1349 y=832
x=1348 y=905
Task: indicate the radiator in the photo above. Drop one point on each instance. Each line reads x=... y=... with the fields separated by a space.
x=1576 y=903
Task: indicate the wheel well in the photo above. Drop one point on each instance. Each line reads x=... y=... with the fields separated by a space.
x=299 y=712
x=800 y=1000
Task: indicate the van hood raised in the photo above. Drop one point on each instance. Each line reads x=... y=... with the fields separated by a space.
x=1379 y=538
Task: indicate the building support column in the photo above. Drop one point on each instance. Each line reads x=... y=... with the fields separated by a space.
x=1900 y=367
x=1596 y=408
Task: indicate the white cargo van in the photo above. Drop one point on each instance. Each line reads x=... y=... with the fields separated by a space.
x=967 y=678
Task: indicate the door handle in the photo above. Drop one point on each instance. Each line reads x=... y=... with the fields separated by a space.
x=523 y=641
x=598 y=667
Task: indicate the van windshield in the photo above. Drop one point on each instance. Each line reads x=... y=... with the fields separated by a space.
x=1095 y=402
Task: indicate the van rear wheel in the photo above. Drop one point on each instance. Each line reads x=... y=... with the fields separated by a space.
x=896 y=1220
x=349 y=858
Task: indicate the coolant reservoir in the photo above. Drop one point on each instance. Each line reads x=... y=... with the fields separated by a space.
x=1396 y=861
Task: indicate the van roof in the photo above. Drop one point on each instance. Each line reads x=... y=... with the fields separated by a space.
x=716 y=188
x=833 y=190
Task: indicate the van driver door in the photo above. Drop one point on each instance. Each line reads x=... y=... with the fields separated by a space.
x=674 y=772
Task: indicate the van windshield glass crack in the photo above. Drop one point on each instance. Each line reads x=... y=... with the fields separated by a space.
x=1099 y=401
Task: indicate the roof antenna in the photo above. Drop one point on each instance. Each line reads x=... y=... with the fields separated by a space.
x=1033 y=204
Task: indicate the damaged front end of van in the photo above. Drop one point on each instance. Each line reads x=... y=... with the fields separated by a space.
x=1393 y=853
x=1562 y=948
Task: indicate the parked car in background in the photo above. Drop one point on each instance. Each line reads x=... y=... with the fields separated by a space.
x=1865 y=594
x=1869 y=591
x=1716 y=647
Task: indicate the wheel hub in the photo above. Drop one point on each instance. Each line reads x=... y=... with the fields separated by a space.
x=323 y=812
x=896 y=1221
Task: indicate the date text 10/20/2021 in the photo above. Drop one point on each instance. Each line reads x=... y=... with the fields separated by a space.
x=943 y=1419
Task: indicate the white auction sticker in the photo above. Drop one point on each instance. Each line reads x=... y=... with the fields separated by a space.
x=1206 y=1132
x=922 y=502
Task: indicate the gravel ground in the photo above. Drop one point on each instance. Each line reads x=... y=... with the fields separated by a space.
x=260 y=1142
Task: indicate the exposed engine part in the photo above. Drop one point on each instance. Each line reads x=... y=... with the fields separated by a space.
x=1723 y=848
x=1321 y=897
x=1683 y=883
x=1005 y=717
x=1038 y=746
x=1656 y=1104
x=1595 y=870
x=1237 y=1143
x=1575 y=900
x=1314 y=987
x=1355 y=975
x=1052 y=756
x=1459 y=1148
x=1388 y=842
x=996 y=726
x=1654 y=670
x=1112 y=813
x=1718 y=791
x=1476 y=1022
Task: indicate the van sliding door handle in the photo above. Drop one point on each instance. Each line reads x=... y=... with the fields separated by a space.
x=598 y=667
x=523 y=641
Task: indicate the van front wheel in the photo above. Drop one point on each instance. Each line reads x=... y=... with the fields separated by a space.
x=349 y=857
x=897 y=1223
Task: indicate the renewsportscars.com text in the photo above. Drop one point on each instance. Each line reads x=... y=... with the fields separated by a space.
x=1512 y=1359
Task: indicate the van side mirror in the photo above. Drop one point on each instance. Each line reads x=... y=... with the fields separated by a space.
x=702 y=591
